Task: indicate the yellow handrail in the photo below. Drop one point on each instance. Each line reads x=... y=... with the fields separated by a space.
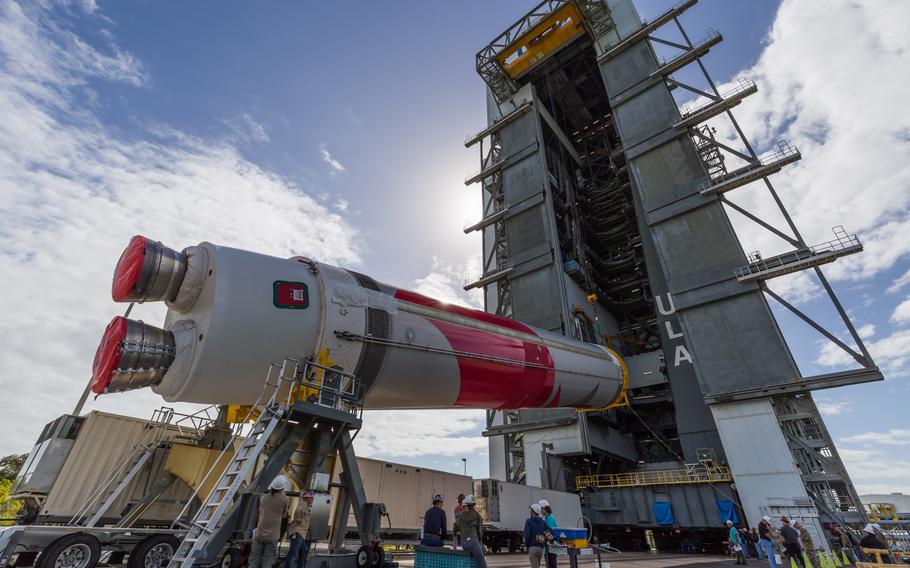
x=693 y=473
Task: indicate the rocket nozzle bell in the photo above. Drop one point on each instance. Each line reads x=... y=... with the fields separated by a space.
x=131 y=355
x=148 y=271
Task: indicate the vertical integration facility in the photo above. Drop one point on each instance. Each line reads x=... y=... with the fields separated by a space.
x=606 y=210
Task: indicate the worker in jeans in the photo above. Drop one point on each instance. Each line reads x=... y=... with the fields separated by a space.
x=765 y=536
x=298 y=532
x=789 y=539
x=536 y=531
x=434 y=524
x=551 y=522
x=470 y=527
x=273 y=508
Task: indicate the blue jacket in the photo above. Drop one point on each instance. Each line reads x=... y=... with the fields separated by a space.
x=434 y=523
x=534 y=526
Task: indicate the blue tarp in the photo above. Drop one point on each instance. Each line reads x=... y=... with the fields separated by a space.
x=663 y=513
x=726 y=511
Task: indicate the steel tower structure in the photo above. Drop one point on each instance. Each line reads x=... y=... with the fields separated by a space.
x=605 y=217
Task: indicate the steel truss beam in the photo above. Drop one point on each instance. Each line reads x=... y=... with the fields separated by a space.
x=796 y=395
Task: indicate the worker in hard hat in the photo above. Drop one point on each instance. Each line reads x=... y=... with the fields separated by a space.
x=550 y=519
x=470 y=527
x=299 y=532
x=736 y=543
x=536 y=535
x=789 y=540
x=434 y=524
x=766 y=540
x=872 y=538
x=273 y=508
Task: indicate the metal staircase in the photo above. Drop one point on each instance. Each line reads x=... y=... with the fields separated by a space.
x=221 y=498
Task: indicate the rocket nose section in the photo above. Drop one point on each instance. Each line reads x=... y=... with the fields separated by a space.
x=131 y=355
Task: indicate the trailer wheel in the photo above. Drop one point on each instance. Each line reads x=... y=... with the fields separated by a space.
x=378 y=559
x=78 y=550
x=231 y=558
x=363 y=556
x=369 y=556
x=154 y=552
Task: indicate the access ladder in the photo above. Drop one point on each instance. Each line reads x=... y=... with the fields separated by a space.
x=221 y=498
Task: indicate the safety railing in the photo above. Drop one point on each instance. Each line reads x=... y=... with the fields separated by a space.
x=743 y=85
x=843 y=244
x=475 y=277
x=666 y=65
x=692 y=473
x=766 y=165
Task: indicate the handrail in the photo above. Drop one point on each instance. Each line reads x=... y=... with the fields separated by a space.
x=692 y=473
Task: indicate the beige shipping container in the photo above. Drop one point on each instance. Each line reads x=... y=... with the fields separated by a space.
x=103 y=441
x=407 y=492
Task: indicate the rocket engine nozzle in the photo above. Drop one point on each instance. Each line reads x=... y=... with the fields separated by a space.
x=148 y=271
x=131 y=355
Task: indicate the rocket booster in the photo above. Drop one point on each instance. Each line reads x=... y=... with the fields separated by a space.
x=232 y=313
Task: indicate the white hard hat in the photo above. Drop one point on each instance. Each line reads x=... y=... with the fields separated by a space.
x=469 y=500
x=869 y=529
x=543 y=503
x=729 y=523
x=766 y=518
x=536 y=508
x=280 y=483
x=876 y=526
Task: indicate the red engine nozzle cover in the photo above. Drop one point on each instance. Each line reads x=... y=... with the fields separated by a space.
x=107 y=357
x=129 y=269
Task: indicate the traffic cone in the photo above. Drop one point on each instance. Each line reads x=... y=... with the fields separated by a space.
x=807 y=561
x=793 y=562
x=844 y=554
x=822 y=562
x=836 y=560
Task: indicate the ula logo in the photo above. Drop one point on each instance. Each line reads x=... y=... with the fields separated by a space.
x=681 y=353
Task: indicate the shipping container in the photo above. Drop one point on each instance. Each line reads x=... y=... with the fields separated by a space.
x=407 y=492
x=103 y=441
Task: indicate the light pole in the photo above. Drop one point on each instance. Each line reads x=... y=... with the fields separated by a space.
x=464 y=461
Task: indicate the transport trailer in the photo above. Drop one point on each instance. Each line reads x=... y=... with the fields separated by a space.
x=71 y=546
x=99 y=487
x=504 y=508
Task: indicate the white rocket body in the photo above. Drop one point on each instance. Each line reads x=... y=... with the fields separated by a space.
x=236 y=312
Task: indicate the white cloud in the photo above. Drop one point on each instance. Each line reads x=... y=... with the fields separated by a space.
x=827 y=82
x=245 y=130
x=891 y=353
x=410 y=433
x=899 y=283
x=892 y=437
x=901 y=313
x=833 y=408
x=75 y=190
x=876 y=471
x=445 y=282
x=332 y=162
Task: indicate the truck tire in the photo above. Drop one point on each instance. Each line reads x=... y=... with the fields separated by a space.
x=154 y=552
x=78 y=550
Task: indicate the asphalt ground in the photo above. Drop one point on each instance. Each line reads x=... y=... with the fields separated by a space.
x=624 y=560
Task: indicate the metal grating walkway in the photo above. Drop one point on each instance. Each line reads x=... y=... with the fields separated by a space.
x=767 y=165
x=800 y=259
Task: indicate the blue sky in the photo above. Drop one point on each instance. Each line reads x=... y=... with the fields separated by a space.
x=336 y=130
